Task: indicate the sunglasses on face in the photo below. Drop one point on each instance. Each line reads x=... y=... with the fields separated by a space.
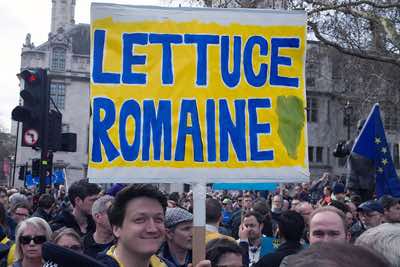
x=26 y=239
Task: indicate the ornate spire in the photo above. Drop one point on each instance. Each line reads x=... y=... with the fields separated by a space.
x=62 y=14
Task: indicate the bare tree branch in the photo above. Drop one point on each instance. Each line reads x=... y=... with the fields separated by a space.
x=352 y=52
x=324 y=6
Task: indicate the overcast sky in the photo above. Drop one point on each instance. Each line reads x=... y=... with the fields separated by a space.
x=20 y=17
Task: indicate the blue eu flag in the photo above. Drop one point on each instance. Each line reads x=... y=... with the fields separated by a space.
x=371 y=144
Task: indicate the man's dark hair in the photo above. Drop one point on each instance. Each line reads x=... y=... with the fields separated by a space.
x=174 y=196
x=261 y=207
x=257 y=215
x=339 y=205
x=213 y=210
x=388 y=201
x=82 y=189
x=116 y=213
x=46 y=201
x=217 y=248
x=335 y=254
x=291 y=225
x=356 y=199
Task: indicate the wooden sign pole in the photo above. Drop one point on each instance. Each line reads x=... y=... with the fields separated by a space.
x=199 y=222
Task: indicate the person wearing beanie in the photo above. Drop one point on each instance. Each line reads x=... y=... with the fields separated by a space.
x=339 y=192
x=176 y=250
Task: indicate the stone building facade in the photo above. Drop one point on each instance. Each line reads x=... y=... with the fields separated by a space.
x=67 y=56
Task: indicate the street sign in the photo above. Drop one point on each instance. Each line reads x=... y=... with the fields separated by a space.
x=31 y=136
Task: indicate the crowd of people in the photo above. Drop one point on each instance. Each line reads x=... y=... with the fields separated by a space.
x=138 y=225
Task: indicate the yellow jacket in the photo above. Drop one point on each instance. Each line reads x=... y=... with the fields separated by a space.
x=210 y=235
x=154 y=260
x=11 y=252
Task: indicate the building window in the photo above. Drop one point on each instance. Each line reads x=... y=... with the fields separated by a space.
x=392 y=119
x=311 y=154
x=318 y=154
x=57 y=93
x=310 y=82
x=58 y=59
x=337 y=68
x=312 y=73
x=396 y=156
x=328 y=156
x=315 y=154
x=312 y=109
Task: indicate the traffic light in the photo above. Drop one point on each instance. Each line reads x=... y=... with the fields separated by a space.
x=35 y=167
x=68 y=142
x=22 y=173
x=35 y=95
x=54 y=135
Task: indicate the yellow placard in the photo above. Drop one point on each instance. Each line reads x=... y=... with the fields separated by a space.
x=197 y=93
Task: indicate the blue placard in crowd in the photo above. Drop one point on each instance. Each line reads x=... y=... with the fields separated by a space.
x=56 y=178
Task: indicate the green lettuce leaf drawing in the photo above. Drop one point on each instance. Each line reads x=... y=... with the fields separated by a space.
x=291 y=118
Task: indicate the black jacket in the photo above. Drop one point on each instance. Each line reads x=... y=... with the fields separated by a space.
x=274 y=259
x=91 y=248
x=41 y=213
x=66 y=219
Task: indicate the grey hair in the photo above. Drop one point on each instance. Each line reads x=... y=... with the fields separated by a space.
x=37 y=223
x=385 y=239
x=100 y=204
x=17 y=198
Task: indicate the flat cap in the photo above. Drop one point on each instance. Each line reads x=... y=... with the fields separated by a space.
x=174 y=216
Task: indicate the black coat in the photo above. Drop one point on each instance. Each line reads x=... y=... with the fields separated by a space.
x=274 y=259
x=41 y=213
x=91 y=248
x=66 y=219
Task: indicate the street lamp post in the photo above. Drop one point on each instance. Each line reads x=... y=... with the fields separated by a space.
x=348 y=109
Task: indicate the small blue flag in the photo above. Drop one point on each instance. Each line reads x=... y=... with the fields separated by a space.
x=371 y=144
x=58 y=177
